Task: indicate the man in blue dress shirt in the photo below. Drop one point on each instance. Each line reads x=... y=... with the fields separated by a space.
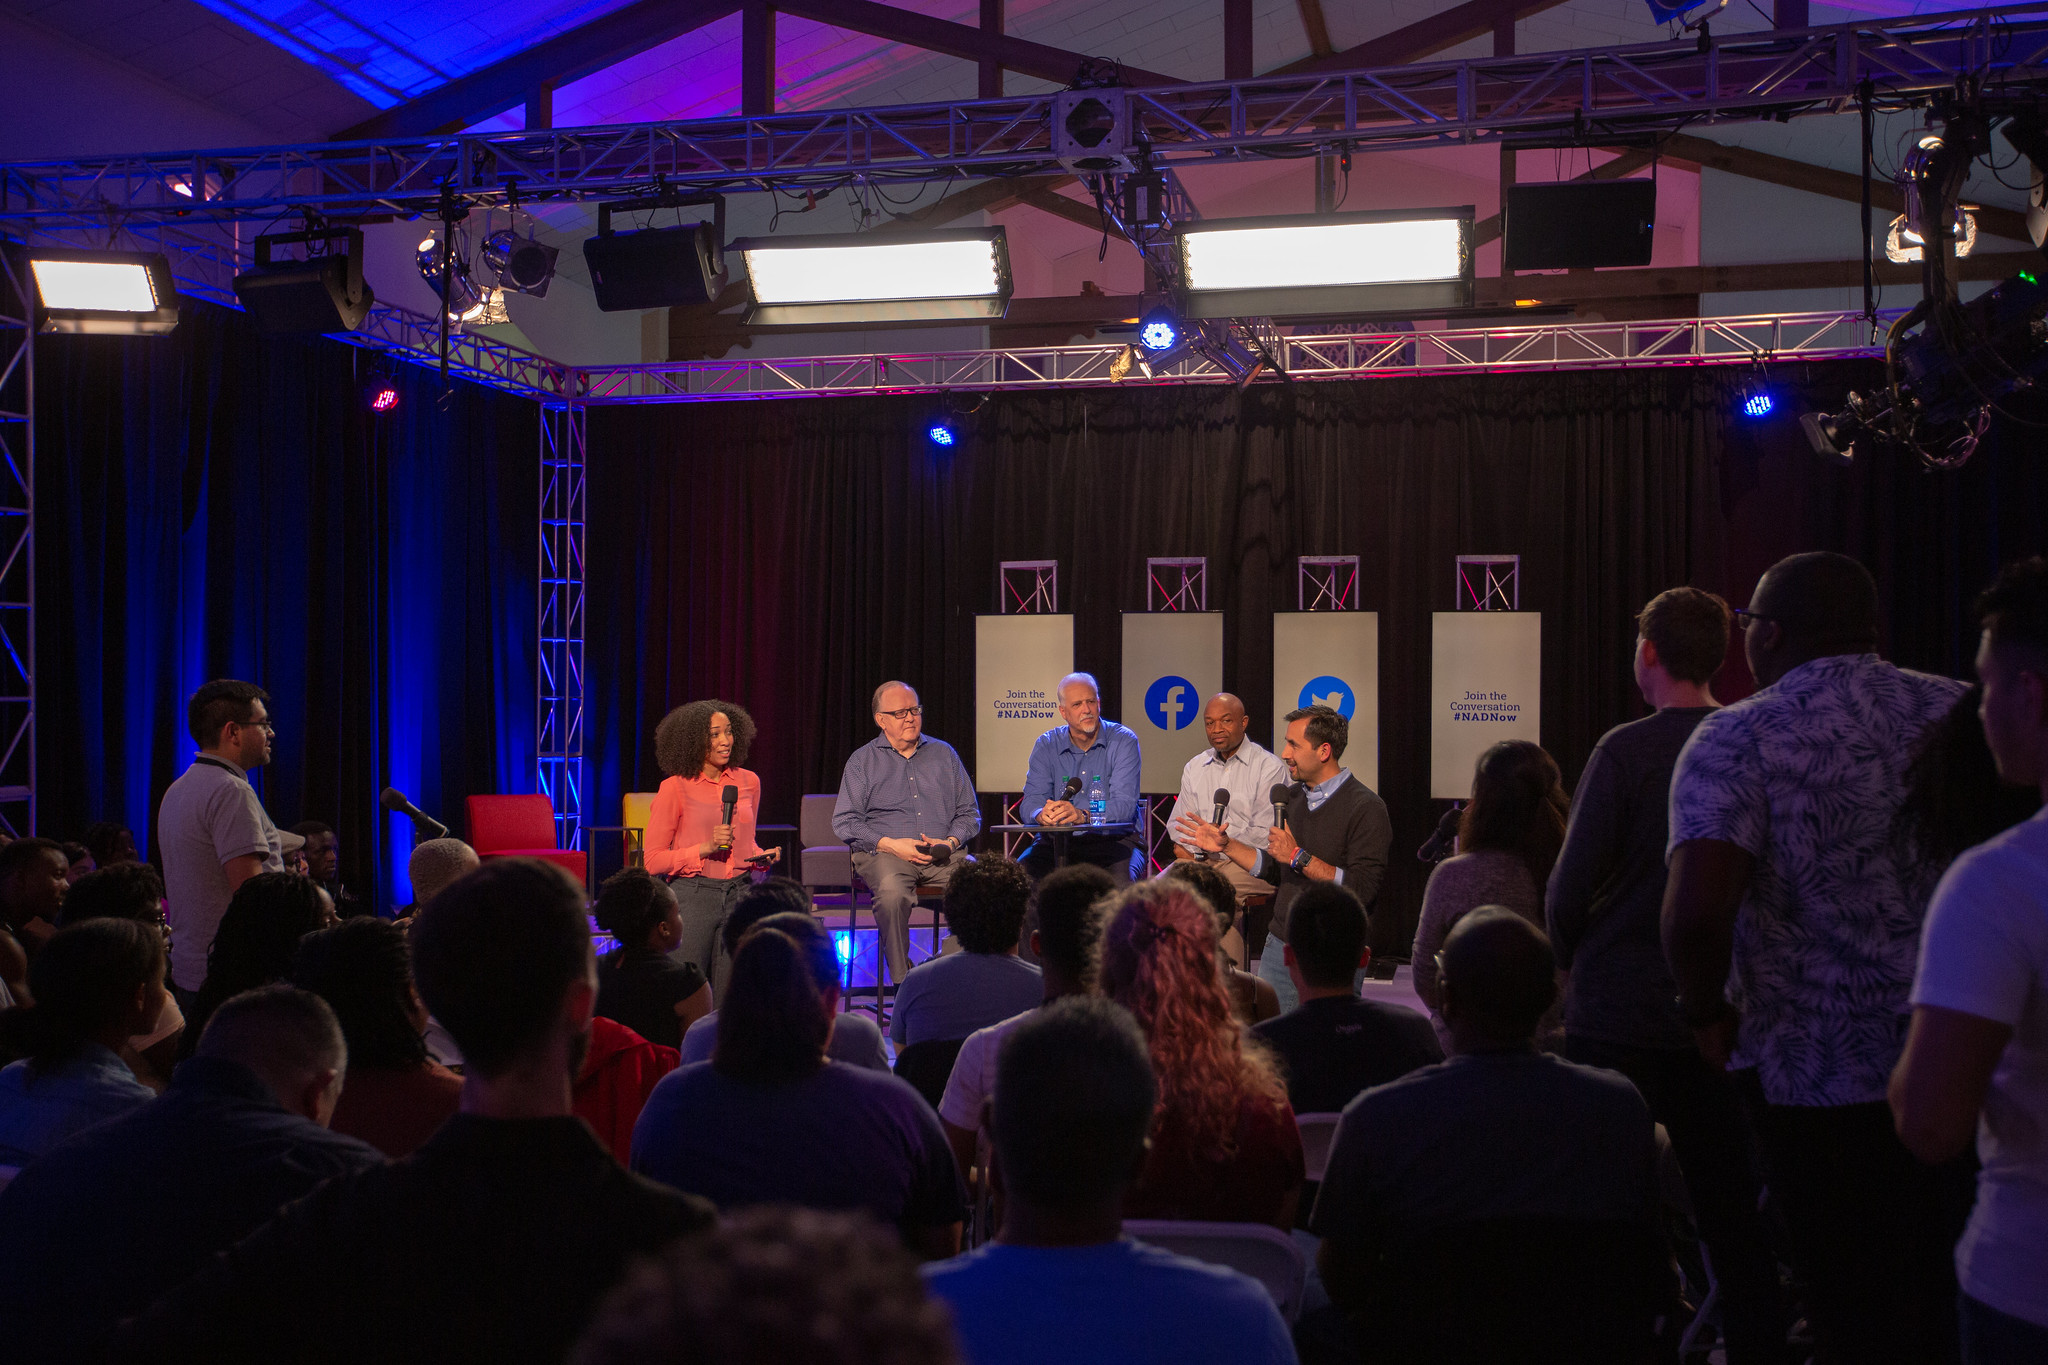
x=906 y=808
x=1102 y=754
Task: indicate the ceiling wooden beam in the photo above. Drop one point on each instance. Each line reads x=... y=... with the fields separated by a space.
x=1424 y=37
x=955 y=40
x=1317 y=28
x=566 y=57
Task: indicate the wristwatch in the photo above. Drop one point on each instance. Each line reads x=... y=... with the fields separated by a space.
x=1299 y=860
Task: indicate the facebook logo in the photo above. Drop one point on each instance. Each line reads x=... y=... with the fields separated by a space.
x=1334 y=693
x=1170 y=703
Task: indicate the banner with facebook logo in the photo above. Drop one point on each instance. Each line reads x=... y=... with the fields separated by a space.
x=1173 y=664
x=1331 y=658
x=1486 y=685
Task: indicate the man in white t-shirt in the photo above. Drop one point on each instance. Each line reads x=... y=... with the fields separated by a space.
x=1976 y=1059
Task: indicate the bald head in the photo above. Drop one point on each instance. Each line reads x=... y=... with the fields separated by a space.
x=1498 y=979
x=1225 y=720
x=1809 y=606
x=437 y=864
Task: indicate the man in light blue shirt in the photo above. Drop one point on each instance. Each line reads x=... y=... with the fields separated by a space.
x=1246 y=772
x=1073 y=1102
x=1100 y=753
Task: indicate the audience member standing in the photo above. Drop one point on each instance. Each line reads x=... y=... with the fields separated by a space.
x=1074 y=1100
x=256 y=941
x=1068 y=933
x=1784 y=868
x=1954 y=797
x=1225 y=1147
x=102 y=1225
x=772 y=1120
x=953 y=995
x=1508 y=838
x=496 y=1240
x=95 y=984
x=1336 y=830
x=708 y=857
x=639 y=984
x=1606 y=893
x=1334 y=1045
x=1976 y=1058
x=906 y=807
x=397 y=1097
x=1501 y=1135
x=212 y=833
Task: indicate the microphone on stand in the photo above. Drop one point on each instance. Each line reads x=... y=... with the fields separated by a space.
x=731 y=797
x=1444 y=842
x=423 y=824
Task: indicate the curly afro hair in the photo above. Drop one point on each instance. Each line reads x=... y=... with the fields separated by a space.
x=684 y=736
x=985 y=905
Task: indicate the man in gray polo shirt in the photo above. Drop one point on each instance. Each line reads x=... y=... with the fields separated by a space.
x=212 y=831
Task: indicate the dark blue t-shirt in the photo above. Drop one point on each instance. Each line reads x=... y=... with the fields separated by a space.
x=1117 y=1303
x=842 y=1138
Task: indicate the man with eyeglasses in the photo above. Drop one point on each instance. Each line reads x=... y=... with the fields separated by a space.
x=211 y=828
x=906 y=808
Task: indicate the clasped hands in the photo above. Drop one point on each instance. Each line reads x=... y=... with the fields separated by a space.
x=912 y=851
x=1061 y=813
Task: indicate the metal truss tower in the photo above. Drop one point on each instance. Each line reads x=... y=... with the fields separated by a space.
x=559 y=747
x=17 y=547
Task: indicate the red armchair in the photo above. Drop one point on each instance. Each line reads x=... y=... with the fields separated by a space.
x=521 y=827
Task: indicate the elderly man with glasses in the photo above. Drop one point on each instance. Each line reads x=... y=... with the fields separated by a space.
x=906 y=808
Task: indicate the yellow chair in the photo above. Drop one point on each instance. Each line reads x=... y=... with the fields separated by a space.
x=636 y=812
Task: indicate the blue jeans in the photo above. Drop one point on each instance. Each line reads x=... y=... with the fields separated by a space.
x=1273 y=971
x=1994 y=1338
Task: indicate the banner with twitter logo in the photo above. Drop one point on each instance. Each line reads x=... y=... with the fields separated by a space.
x=1173 y=664
x=1331 y=658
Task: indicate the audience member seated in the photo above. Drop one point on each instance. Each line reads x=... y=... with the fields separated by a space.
x=1225 y=1148
x=397 y=1097
x=1976 y=1058
x=774 y=1285
x=1074 y=1099
x=322 y=850
x=772 y=1120
x=1788 y=885
x=1508 y=839
x=856 y=1039
x=1069 y=932
x=33 y=883
x=78 y=861
x=620 y=1071
x=495 y=1241
x=95 y=985
x=1253 y=1000
x=953 y=995
x=256 y=942
x=109 y=843
x=1334 y=1044
x=638 y=984
x=1499 y=1138
x=103 y=1224
x=133 y=891
x=435 y=865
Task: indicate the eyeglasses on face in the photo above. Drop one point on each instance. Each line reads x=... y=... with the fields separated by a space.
x=905 y=714
x=1743 y=616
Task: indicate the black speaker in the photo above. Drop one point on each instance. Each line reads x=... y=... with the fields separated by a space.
x=1579 y=223
x=655 y=267
x=325 y=293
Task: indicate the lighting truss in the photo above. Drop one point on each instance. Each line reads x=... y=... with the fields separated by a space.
x=559 y=680
x=1552 y=346
x=17 y=548
x=1578 y=94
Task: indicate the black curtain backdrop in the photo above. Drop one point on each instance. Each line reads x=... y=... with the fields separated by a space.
x=220 y=504
x=790 y=555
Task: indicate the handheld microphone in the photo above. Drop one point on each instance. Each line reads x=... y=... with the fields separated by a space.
x=422 y=823
x=1278 y=796
x=1444 y=842
x=732 y=801
x=1222 y=799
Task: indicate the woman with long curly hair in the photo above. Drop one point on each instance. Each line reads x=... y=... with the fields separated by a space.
x=1508 y=840
x=701 y=746
x=1224 y=1144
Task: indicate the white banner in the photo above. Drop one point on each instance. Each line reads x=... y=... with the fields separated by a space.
x=1173 y=664
x=1331 y=658
x=1485 y=685
x=1018 y=664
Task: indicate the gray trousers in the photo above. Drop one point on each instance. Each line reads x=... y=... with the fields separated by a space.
x=705 y=902
x=895 y=884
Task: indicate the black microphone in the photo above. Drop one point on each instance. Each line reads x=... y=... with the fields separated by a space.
x=1222 y=799
x=1444 y=842
x=1073 y=787
x=732 y=801
x=422 y=823
x=1278 y=796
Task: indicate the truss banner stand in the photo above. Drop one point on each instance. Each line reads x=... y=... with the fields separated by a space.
x=1018 y=663
x=1331 y=658
x=1486 y=685
x=1173 y=664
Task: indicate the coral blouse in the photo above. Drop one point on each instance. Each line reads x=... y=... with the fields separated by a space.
x=686 y=810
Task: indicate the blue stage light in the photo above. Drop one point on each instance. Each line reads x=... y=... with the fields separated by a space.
x=941 y=434
x=1160 y=331
x=1758 y=404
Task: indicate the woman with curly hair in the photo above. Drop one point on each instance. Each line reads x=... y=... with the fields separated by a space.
x=256 y=943
x=1224 y=1144
x=701 y=747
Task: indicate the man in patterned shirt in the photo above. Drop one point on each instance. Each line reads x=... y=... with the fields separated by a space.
x=1783 y=868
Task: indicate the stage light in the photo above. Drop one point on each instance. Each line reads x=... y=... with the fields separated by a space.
x=465 y=301
x=866 y=277
x=323 y=293
x=380 y=394
x=659 y=267
x=1159 y=330
x=1902 y=242
x=104 y=293
x=1758 y=404
x=941 y=434
x=523 y=265
x=1380 y=261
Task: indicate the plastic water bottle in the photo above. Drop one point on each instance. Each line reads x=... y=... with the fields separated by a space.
x=1098 y=805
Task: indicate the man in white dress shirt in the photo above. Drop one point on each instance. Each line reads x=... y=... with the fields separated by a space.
x=1244 y=768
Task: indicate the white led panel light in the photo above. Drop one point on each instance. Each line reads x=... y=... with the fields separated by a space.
x=1380 y=261
x=109 y=293
x=98 y=286
x=872 y=278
